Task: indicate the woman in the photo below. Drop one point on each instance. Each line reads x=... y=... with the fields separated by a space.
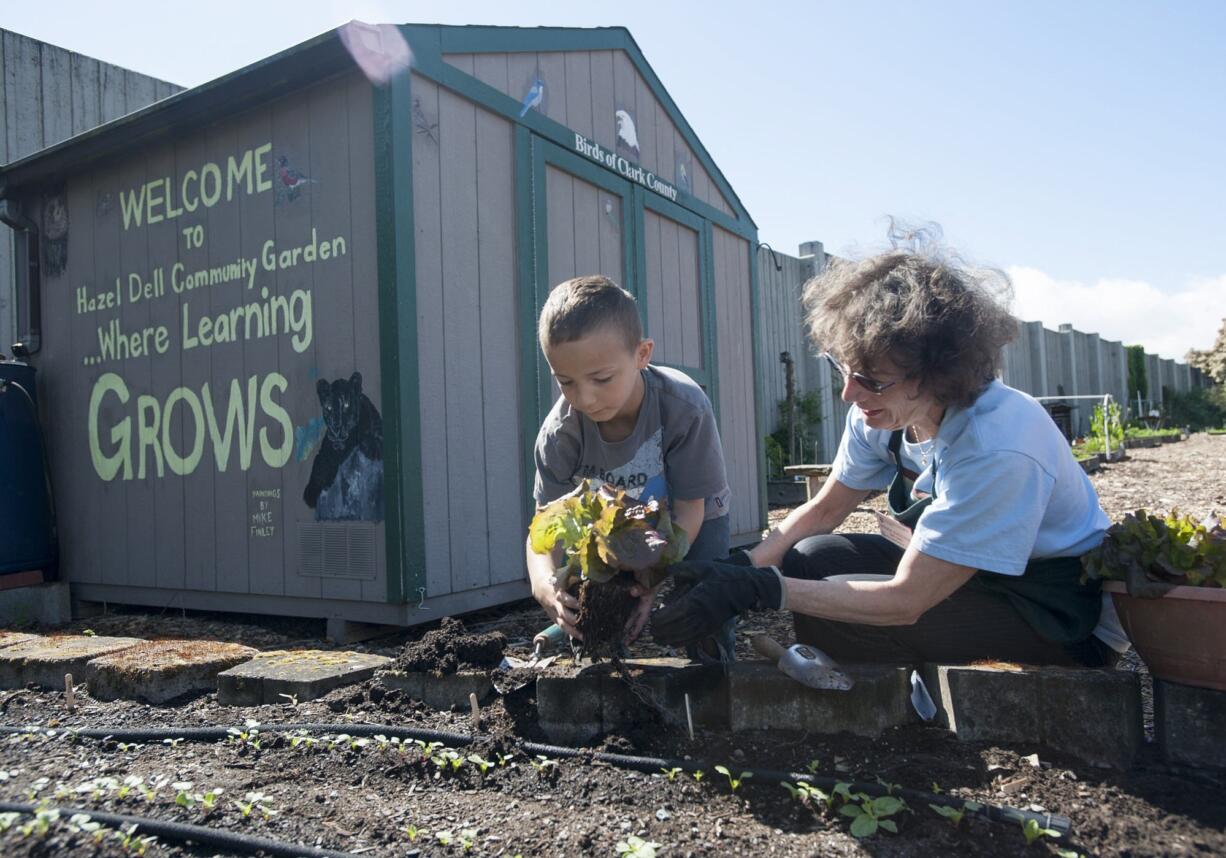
x=989 y=511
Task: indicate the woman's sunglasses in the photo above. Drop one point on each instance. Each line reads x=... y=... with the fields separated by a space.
x=870 y=384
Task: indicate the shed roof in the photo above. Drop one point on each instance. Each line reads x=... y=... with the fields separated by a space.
x=318 y=58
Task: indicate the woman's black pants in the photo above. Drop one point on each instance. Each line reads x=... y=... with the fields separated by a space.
x=969 y=625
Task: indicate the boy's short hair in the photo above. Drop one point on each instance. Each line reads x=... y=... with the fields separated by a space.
x=582 y=305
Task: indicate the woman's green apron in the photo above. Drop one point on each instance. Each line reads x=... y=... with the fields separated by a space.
x=1049 y=595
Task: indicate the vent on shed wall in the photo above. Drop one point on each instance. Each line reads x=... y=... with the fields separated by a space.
x=334 y=550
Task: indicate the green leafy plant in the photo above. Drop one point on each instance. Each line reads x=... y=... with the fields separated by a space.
x=672 y=773
x=603 y=532
x=869 y=814
x=734 y=783
x=1106 y=426
x=699 y=775
x=1152 y=553
x=636 y=847
x=1032 y=831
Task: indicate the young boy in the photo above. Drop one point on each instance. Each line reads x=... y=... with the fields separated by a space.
x=646 y=429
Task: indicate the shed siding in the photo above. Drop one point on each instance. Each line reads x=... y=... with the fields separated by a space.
x=674 y=308
x=48 y=94
x=583 y=91
x=468 y=346
x=231 y=529
x=737 y=410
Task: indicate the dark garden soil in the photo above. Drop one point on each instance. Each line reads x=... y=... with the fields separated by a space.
x=604 y=610
x=378 y=798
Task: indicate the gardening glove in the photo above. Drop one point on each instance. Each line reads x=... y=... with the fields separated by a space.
x=709 y=594
x=740 y=557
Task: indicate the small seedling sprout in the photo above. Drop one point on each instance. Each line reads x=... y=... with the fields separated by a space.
x=636 y=847
x=481 y=763
x=672 y=773
x=1032 y=831
x=734 y=783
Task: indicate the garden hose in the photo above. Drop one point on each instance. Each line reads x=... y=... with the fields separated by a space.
x=651 y=765
x=182 y=831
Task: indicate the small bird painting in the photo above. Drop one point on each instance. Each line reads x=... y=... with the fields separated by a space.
x=627 y=135
x=290 y=181
x=533 y=97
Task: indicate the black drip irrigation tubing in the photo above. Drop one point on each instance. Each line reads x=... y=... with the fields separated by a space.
x=650 y=765
x=182 y=831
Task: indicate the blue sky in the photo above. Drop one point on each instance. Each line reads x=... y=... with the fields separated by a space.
x=1080 y=146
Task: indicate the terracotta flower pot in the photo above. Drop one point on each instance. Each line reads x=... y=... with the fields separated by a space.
x=1180 y=636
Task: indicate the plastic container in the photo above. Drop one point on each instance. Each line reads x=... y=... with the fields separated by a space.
x=1181 y=636
x=26 y=539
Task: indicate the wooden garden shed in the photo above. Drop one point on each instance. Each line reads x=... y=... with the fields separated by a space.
x=284 y=321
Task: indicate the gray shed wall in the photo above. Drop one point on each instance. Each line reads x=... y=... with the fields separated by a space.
x=212 y=503
x=47 y=95
x=468 y=344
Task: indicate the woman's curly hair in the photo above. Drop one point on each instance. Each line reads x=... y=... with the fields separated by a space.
x=918 y=306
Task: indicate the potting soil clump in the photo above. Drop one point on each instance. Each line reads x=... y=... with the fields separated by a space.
x=449 y=648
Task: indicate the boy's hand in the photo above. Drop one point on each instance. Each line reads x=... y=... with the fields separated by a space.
x=562 y=607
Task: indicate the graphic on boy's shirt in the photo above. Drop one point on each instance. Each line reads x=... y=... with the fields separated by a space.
x=642 y=477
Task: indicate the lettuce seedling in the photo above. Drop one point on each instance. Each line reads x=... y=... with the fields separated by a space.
x=603 y=532
x=1153 y=553
x=609 y=541
x=870 y=814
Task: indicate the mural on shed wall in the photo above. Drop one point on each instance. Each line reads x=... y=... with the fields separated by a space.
x=347 y=473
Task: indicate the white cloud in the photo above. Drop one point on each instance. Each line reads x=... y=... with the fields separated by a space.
x=1136 y=312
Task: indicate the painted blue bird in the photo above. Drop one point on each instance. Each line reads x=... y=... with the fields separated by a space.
x=532 y=99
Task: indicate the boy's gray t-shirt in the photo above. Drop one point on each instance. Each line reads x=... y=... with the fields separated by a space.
x=674 y=450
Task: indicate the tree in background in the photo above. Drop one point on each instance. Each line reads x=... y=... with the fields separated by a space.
x=1136 y=373
x=1212 y=362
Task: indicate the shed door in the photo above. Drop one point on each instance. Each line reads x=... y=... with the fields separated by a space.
x=583 y=224
x=675 y=289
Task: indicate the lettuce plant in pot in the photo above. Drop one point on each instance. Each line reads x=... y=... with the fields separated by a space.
x=1167 y=577
x=609 y=541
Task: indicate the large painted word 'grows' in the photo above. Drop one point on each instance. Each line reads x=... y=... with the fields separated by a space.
x=152 y=422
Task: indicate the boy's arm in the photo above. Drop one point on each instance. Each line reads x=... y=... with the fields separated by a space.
x=562 y=607
x=688 y=515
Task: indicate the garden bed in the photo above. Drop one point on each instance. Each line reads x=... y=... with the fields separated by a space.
x=367 y=797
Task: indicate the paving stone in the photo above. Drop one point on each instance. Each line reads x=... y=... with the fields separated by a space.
x=157 y=671
x=570 y=707
x=1188 y=724
x=1094 y=715
x=441 y=692
x=272 y=677
x=574 y=707
x=45 y=660
x=10 y=638
x=1091 y=714
x=656 y=690
x=985 y=703
x=762 y=698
